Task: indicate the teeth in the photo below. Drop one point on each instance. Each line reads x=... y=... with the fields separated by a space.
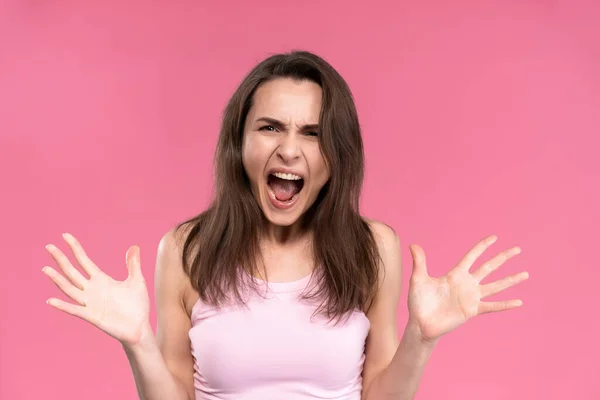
x=289 y=177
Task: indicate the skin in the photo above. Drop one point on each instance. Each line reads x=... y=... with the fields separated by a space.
x=289 y=139
x=162 y=364
x=285 y=142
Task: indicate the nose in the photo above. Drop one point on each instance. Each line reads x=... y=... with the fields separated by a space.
x=289 y=148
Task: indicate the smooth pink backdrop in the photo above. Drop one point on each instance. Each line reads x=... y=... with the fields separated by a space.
x=478 y=118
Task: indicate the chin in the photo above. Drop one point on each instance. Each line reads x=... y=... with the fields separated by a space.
x=283 y=221
x=282 y=217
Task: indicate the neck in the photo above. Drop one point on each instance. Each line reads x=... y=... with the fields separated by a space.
x=285 y=235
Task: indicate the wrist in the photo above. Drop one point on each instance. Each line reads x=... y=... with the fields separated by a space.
x=145 y=342
x=415 y=335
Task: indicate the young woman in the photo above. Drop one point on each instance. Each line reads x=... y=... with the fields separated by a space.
x=281 y=289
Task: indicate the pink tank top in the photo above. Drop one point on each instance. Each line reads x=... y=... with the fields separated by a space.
x=272 y=350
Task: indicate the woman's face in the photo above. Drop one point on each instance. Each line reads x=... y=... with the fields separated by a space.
x=280 y=150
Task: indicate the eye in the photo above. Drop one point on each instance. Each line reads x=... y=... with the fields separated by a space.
x=269 y=128
x=315 y=134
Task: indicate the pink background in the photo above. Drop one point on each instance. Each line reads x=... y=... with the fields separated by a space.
x=478 y=119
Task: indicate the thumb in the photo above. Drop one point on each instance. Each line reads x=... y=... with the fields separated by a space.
x=132 y=259
x=419 y=264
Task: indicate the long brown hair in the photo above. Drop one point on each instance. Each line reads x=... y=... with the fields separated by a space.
x=223 y=240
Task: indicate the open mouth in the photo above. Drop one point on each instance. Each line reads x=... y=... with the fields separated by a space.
x=284 y=188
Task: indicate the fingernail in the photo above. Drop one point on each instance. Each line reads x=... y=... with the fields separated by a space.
x=49 y=247
x=66 y=235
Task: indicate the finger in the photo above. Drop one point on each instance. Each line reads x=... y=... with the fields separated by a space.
x=67 y=268
x=72 y=309
x=493 y=264
x=86 y=264
x=132 y=259
x=64 y=285
x=502 y=284
x=495 y=306
x=419 y=261
x=468 y=259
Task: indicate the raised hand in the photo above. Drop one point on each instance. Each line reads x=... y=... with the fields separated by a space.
x=439 y=305
x=119 y=308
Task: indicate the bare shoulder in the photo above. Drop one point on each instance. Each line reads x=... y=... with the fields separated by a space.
x=170 y=276
x=169 y=254
x=382 y=341
x=171 y=285
x=390 y=253
x=388 y=242
x=171 y=243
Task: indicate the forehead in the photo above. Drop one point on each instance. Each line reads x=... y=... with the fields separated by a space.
x=287 y=99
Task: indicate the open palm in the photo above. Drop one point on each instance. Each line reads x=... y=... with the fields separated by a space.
x=119 y=308
x=439 y=305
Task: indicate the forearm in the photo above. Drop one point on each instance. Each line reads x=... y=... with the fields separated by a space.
x=400 y=380
x=153 y=379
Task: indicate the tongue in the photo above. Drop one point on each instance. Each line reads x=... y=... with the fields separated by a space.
x=283 y=189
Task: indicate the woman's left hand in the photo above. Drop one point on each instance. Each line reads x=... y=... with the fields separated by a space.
x=439 y=305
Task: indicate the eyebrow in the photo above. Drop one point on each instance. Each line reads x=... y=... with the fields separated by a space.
x=279 y=124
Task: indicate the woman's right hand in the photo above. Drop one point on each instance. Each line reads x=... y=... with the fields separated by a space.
x=119 y=308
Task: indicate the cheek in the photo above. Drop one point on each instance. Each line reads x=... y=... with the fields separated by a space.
x=319 y=170
x=251 y=158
